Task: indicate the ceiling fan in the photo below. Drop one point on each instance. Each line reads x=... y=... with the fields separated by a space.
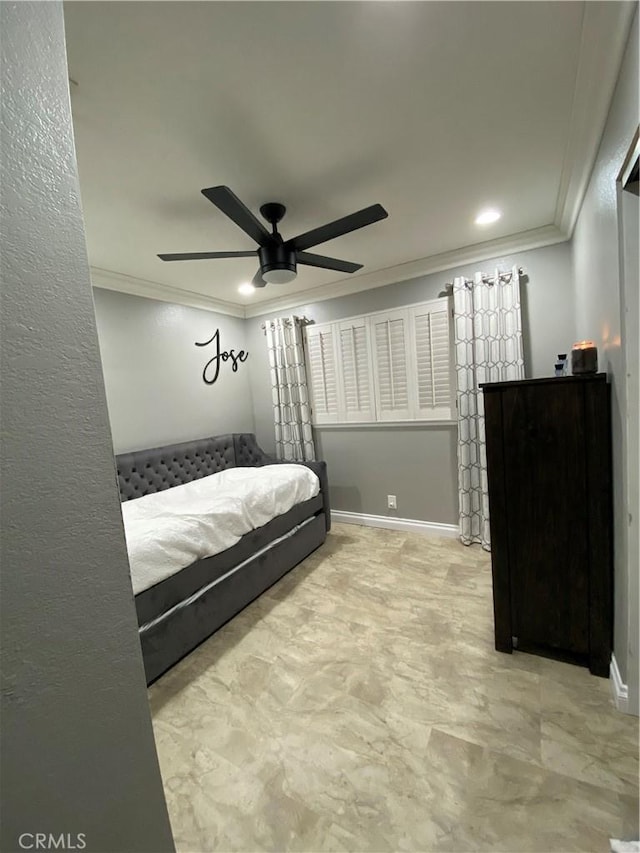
x=279 y=258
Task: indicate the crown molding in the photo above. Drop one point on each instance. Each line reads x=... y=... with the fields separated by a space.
x=534 y=239
x=109 y=280
x=605 y=30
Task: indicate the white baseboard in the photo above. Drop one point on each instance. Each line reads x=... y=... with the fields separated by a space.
x=428 y=528
x=619 y=689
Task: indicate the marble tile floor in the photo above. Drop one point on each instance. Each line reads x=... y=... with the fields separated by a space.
x=359 y=705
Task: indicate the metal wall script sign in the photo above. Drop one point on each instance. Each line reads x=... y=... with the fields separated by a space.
x=211 y=369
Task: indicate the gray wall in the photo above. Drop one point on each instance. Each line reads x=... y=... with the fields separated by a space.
x=78 y=754
x=630 y=310
x=418 y=464
x=596 y=247
x=153 y=372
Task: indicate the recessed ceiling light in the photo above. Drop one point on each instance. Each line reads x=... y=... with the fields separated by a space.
x=486 y=217
x=246 y=289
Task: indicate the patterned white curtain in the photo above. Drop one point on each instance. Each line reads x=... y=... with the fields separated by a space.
x=488 y=348
x=289 y=389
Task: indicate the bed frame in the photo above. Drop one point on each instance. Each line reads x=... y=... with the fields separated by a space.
x=177 y=614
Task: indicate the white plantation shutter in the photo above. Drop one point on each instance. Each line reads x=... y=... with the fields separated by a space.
x=383 y=367
x=322 y=373
x=390 y=359
x=356 y=381
x=430 y=324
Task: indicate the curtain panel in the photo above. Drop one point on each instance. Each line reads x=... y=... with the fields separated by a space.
x=488 y=348
x=289 y=389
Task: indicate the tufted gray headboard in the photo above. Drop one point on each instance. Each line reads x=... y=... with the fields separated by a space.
x=145 y=471
x=142 y=472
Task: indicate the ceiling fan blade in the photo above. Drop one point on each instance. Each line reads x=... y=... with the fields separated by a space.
x=336 y=229
x=229 y=203
x=205 y=256
x=326 y=263
x=257 y=280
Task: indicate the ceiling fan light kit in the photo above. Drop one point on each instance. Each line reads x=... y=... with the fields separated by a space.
x=279 y=273
x=279 y=258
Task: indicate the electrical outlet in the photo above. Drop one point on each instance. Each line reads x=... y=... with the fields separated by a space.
x=391 y=502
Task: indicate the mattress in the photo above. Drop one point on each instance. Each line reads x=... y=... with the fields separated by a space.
x=169 y=530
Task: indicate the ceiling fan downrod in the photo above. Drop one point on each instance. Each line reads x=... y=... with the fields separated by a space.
x=277 y=263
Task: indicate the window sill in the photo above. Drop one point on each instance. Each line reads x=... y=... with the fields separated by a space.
x=386 y=424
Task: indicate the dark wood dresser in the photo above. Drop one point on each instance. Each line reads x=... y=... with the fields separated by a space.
x=550 y=504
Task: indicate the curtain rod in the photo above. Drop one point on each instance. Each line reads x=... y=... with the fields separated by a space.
x=487 y=279
x=304 y=321
x=490 y=279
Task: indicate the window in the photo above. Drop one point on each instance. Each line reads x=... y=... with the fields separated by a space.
x=389 y=366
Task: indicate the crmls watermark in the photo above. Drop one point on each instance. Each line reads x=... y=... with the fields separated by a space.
x=51 y=841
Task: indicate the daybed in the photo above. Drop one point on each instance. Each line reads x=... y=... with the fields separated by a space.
x=180 y=611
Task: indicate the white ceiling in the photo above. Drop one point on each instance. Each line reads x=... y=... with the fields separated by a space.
x=434 y=110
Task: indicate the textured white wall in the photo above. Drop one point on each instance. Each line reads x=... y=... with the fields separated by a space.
x=153 y=372
x=78 y=754
x=596 y=250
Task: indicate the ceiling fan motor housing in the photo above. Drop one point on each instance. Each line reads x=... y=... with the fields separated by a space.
x=277 y=263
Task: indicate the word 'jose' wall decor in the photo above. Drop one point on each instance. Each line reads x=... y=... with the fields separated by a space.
x=211 y=369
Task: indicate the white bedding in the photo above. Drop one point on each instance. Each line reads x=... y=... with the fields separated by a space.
x=169 y=530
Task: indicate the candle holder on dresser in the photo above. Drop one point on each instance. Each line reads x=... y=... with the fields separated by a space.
x=584 y=358
x=548 y=445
